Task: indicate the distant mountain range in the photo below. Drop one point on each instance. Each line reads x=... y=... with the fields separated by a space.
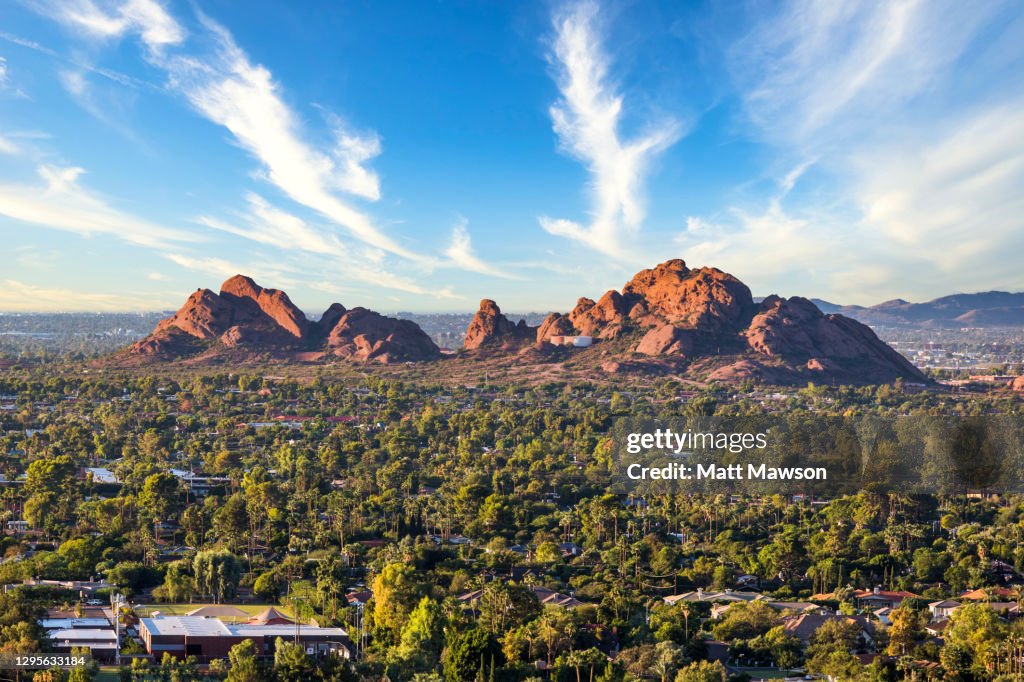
x=985 y=309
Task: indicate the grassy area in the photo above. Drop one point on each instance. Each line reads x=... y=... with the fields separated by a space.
x=183 y=609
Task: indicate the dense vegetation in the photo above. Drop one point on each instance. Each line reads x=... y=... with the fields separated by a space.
x=423 y=494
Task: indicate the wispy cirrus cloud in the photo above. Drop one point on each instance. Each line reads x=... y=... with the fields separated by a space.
x=222 y=84
x=326 y=172
x=323 y=251
x=231 y=91
x=588 y=119
x=59 y=201
x=267 y=224
x=461 y=254
x=108 y=20
x=912 y=163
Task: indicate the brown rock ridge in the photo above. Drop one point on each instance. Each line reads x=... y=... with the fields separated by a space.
x=489 y=328
x=685 y=314
x=795 y=329
x=670 y=319
x=246 y=316
x=362 y=334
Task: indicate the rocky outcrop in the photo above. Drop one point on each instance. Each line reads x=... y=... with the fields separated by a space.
x=795 y=330
x=205 y=315
x=362 y=334
x=679 y=314
x=263 y=307
x=490 y=328
x=246 y=317
x=666 y=319
x=705 y=299
x=555 y=324
x=321 y=329
x=666 y=340
x=604 y=319
x=1018 y=384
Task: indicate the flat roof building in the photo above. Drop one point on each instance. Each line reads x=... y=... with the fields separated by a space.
x=102 y=642
x=208 y=638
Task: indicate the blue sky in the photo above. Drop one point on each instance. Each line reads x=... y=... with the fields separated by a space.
x=423 y=155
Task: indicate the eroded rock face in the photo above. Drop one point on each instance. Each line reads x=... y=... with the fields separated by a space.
x=705 y=299
x=672 y=315
x=248 y=317
x=205 y=315
x=602 y=319
x=666 y=340
x=1018 y=384
x=362 y=334
x=555 y=324
x=489 y=327
x=690 y=314
x=250 y=299
x=321 y=329
x=794 y=329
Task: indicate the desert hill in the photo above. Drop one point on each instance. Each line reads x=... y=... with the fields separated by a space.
x=669 y=319
x=693 y=316
x=248 y=317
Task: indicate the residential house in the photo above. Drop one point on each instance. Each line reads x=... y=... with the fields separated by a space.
x=941 y=610
x=878 y=598
x=209 y=638
x=805 y=625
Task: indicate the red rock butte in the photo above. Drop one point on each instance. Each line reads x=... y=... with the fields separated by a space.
x=672 y=311
x=244 y=315
x=669 y=318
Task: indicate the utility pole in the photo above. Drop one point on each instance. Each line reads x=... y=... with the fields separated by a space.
x=115 y=607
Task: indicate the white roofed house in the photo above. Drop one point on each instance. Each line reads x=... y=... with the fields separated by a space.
x=941 y=610
x=208 y=638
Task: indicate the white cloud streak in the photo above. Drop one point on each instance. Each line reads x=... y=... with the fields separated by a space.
x=587 y=120
x=222 y=84
x=243 y=97
x=917 y=162
x=225 y=87
x=460 y=253
x=60 y=202
x=108 y=20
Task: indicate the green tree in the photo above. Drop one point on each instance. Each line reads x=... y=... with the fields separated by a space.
x=423 y=634
x=395 y=593
x=160 y=495
x=243 y=665
x=467 y=653
x=702 y=671
x=291 y=663
x=217 y=573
